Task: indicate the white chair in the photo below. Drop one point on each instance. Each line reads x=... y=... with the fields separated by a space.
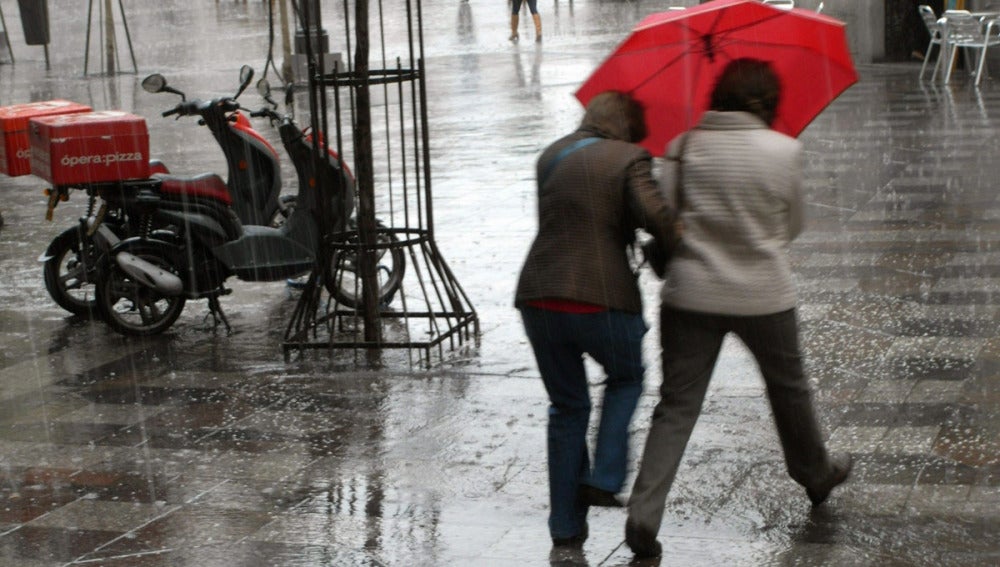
x=782 y=4
x=934 y=29
x=963 y=30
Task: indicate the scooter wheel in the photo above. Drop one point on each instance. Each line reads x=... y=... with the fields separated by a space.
x=70 y=272
x=132 y=308
x=344 y=283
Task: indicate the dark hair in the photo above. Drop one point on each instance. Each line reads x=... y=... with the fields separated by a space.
x=750 y=85
x=618 y=115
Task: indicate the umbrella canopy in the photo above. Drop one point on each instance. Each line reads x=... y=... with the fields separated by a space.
x=671 y=61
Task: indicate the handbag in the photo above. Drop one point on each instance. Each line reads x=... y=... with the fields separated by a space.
x=652 y=253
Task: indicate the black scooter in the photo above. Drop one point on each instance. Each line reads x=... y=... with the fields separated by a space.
x=148 y=278
x=252 y=188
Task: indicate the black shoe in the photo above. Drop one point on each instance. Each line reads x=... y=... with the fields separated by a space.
x=593 y=496
x=575 y=542
x=567 y=557
x=842 y=465
x=641 y=541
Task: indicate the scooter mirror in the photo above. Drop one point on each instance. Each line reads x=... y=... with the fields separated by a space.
x=154 y=83
x=246 y=75
x=264 y=88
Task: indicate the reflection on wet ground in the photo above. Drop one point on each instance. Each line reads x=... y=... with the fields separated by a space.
x=201 y=448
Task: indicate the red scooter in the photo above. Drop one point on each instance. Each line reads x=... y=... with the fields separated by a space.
x=252 y=190
x=148 y=278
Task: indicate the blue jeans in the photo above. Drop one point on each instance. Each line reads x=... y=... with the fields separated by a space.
x=559 y=340
x=516 y=6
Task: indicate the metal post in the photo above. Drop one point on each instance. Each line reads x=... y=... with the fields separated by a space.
x=86 y=49
x=286 y=43
x=367 y=229
x=109 y=37
x=110 y=45
x=128 y=37
x=6 y=36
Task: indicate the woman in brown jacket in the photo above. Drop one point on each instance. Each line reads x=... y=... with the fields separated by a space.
x=578 y=295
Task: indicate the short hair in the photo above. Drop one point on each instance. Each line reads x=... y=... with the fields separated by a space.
x=617 y=114
x=748 y=85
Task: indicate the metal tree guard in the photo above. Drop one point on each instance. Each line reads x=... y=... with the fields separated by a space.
x=110 y=63
x=394 y=214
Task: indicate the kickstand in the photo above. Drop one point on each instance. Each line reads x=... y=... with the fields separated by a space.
x=215 y=311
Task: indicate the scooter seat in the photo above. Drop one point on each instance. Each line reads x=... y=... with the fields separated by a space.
x=207 y=185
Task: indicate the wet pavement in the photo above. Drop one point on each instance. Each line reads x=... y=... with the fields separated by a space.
x=202 y=448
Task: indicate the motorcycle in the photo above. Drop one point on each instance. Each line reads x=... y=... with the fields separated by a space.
x=148 y=278
x=253 y=187
x=70 y=261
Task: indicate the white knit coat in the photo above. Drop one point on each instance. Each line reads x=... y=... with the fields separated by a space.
x=740 y=205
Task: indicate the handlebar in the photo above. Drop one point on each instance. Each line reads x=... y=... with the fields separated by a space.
x=287 y=128
x=201 y=108
x=265 y=113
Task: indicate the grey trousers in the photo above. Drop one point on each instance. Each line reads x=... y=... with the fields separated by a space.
x=691 y=343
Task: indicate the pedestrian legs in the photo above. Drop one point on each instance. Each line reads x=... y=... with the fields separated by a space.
x=560 y=362
x=614 y=340
x=691 y=344
x=773 y=341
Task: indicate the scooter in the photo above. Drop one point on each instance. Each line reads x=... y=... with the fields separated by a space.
x=148 y=278
x=253 y=187
x=253 y=176
x=70 y=261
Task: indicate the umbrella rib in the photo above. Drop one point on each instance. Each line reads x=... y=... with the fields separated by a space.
x=724 y=36
x=775 y=46
x=662 y=68
x=747 y=25
x=685 y=26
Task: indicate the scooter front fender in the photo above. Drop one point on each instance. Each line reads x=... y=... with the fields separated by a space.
x=49 y=253
x=104 y=237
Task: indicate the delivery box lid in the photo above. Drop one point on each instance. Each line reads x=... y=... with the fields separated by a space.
x=89 y=124
x=15 y=117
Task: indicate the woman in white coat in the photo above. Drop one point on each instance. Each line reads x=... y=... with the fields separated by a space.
x=741 y=205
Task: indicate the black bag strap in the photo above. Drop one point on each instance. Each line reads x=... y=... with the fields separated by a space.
x=562 y=154
x=679 y=172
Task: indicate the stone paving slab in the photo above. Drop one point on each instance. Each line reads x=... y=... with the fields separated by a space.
x=201 y=448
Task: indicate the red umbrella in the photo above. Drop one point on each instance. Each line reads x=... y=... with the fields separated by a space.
x=671 y=61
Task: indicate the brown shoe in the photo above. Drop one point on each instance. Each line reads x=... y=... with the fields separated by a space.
x=842 y=465
x=641 y=541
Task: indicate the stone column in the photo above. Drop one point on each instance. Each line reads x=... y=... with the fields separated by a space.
x=865 y=21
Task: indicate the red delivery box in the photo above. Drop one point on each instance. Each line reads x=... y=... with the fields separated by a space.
x=76 y=149
x=15 y=153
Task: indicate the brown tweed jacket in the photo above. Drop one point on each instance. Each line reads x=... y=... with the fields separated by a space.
x=588 y=210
